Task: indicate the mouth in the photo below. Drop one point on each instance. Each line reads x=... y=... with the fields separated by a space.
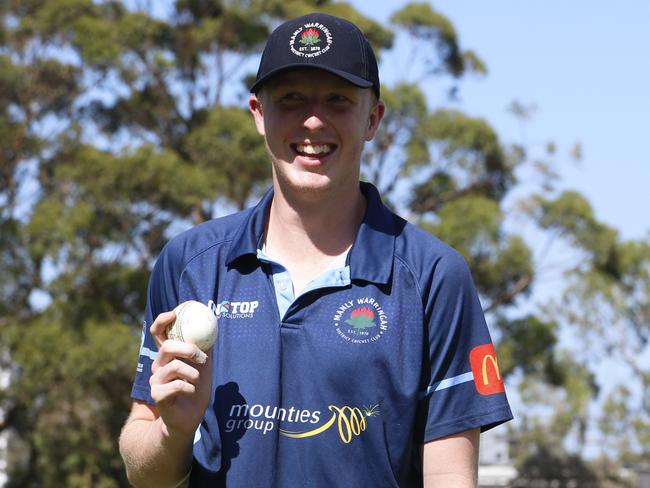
x=314 y=151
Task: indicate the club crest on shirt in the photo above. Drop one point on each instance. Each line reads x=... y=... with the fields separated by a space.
x=360 y=320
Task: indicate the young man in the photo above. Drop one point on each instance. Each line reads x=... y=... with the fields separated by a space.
x=352 y=347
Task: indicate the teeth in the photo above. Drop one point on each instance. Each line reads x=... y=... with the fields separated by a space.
x=314 y=149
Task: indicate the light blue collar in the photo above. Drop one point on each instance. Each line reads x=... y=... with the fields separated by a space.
x=284 y=293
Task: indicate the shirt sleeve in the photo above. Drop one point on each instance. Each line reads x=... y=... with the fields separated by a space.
x=162 y=296
x=462 y=387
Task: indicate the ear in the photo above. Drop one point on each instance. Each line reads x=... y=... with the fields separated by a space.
x=374 y=119
x=255 y=107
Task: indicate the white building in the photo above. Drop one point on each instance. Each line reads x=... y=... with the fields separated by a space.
x=495 y=467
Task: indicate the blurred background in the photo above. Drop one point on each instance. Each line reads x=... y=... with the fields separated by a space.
x=515 y=131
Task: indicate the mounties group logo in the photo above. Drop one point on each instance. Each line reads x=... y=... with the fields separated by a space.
x=349 y=422
x=310 y=40
x=360 y=321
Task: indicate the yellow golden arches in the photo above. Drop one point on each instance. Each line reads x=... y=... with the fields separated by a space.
x=493 y=360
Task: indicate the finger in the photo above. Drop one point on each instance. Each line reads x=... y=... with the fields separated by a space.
x=159 y=327
x=170 y=350
x=175 y=370
x=165 y=392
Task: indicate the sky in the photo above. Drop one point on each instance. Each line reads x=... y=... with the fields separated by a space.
x=585 y=65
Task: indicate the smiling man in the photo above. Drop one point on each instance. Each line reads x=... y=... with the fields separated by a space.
x=352 y=347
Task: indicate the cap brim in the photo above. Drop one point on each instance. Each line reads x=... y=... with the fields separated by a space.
x=355 y=80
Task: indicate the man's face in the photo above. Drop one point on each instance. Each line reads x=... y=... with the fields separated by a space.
x=315 y=125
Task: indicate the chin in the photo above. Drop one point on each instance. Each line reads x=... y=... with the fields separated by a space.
x=316 y=181
x=307 y=183
x=312 y=185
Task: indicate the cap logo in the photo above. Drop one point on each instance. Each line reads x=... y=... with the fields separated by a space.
x=310 y=40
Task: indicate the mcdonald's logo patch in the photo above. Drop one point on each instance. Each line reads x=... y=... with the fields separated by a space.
x=487 y=377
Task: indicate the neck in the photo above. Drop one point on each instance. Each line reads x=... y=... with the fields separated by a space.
x=322 y=225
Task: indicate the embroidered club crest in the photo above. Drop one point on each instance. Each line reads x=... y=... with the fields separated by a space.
x=310 y=40
x=360 y=321
x=361 y=318
x=309 y=37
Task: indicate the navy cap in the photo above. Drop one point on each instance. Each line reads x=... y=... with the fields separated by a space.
x=319 y=41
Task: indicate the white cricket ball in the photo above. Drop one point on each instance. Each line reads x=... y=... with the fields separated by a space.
x=195 y=323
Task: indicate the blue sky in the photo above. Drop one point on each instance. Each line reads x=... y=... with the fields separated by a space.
x=585 y=65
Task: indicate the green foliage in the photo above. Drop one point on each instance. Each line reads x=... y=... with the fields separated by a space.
x=572 y=214
x=427 y=26
x=157 y=177
x=44 y=86
x=227 y=147
x=608 y=301
x=554 y=413
x=469 y=159
x=528 y=344
x=139 y=32
x=69 y=393
x=406 y=110
x=104 y=290
x=115 y=132
x=474 y=234
x=17 y=270
x=620 y=418
x=474 y=63
x=97 y=40
x=48 y=18
x=501 y=265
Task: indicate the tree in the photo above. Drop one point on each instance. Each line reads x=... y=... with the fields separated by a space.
x=608 y=300
x=120 y=126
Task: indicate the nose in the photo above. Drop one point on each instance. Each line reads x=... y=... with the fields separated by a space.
x=314 y=123
x=314 y=118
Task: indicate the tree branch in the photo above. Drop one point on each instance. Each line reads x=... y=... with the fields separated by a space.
x=507 y=297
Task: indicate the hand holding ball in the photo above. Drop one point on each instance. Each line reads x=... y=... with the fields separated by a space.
x=195 y=323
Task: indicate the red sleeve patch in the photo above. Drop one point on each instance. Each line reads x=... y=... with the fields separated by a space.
x=487 y=377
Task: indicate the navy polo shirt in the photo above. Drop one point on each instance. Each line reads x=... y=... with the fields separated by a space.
x=359 y=371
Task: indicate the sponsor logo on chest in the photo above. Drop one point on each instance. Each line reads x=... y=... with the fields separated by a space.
x=360 y=321
x=235 y=310
x=350 y=422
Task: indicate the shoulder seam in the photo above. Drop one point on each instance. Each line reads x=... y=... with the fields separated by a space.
x=197 y=254
x=417 y=283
